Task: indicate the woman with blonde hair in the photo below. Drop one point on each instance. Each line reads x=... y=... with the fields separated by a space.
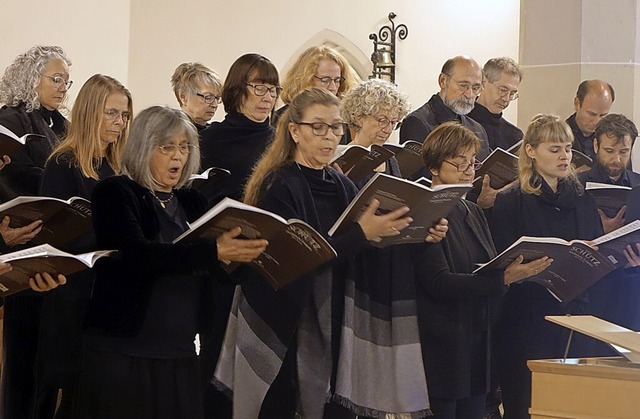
x=198 y=91
x=294 y=333
x=549 y=202
x=319 y=66
x=91 y=151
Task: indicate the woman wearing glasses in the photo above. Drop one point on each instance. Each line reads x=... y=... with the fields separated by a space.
x=249 y=93
x=373 y=109
x=453 y=303
x=32 y=88
x=148 y=303
x=197 y=89
x=319 y=66
x=91 y=151
x=294 y=333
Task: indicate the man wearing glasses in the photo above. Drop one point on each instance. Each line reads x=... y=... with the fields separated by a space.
x=460 y=84
x=501 y=79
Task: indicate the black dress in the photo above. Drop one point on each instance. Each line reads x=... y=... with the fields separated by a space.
x=19 y=398
x=64 y=309
x=522 y=333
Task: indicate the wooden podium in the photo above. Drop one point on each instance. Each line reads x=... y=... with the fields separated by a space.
x=588 y=388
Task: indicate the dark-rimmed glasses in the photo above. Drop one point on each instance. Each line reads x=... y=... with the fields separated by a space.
x=321 y=128
x=262 y=89
x=170 y=149
x=327 y=80
x=209 y=99
x=463 y=167
x=59 y=81
x=113 y=115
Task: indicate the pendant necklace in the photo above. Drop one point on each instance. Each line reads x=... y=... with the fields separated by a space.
x=163 y=201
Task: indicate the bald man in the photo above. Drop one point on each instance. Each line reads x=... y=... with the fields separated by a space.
x=460 y=84
x=592 y=103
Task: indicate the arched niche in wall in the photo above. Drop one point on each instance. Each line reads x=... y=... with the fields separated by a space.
x=358 y=59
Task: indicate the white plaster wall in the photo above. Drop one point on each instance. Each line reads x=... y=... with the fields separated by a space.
x=94 y=34
x=166 y=33
x=140 y=42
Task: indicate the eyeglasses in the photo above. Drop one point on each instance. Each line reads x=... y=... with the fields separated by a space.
x=463 y=167
x=384 y=122
x=59 y=81
x=321 y=128
x=503 y=91
x=210 y=99
x=327 y=80
x=262 y=89
x=464 y=86
x=170 y=149
x=113 y=115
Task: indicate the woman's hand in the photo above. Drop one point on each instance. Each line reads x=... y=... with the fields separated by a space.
x=518 y=271
x=633 y=256
x=45 y=282
x=438 y=231
x=20 y=235
x=232 y=249
x=4 y=161
x=377 y=226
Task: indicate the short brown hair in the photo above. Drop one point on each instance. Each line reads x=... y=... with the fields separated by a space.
x=446 y=141
x=234 y=91
x=617 y=126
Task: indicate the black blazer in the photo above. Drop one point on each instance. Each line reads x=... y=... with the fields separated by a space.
x=22 y=176
x=453 y=306
x=124 y=219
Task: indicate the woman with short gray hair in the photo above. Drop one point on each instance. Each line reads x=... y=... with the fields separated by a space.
x=150 y=302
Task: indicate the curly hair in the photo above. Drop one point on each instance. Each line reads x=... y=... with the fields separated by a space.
x=300 y=76
x=373 y=97
x=21 y=78
x=187 y=76
x=543 y=128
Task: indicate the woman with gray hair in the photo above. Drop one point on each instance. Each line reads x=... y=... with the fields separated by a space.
x=198 y=89
x=148 y=304
x=32 y=89
x=373 y=109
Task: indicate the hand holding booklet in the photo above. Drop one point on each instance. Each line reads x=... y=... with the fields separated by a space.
x=39 y=259
x=427 y=205
x=295 y=248
x=62 y=221
x=576 y=266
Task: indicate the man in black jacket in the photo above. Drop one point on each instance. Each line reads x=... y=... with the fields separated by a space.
x=592 y=103
x=460 y=83
x=500 y=82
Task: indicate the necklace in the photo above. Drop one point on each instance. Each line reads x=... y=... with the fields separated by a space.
x=163 y=201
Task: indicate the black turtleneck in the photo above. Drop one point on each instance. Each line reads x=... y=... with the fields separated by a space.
x=501 y=133
x=235 y=144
